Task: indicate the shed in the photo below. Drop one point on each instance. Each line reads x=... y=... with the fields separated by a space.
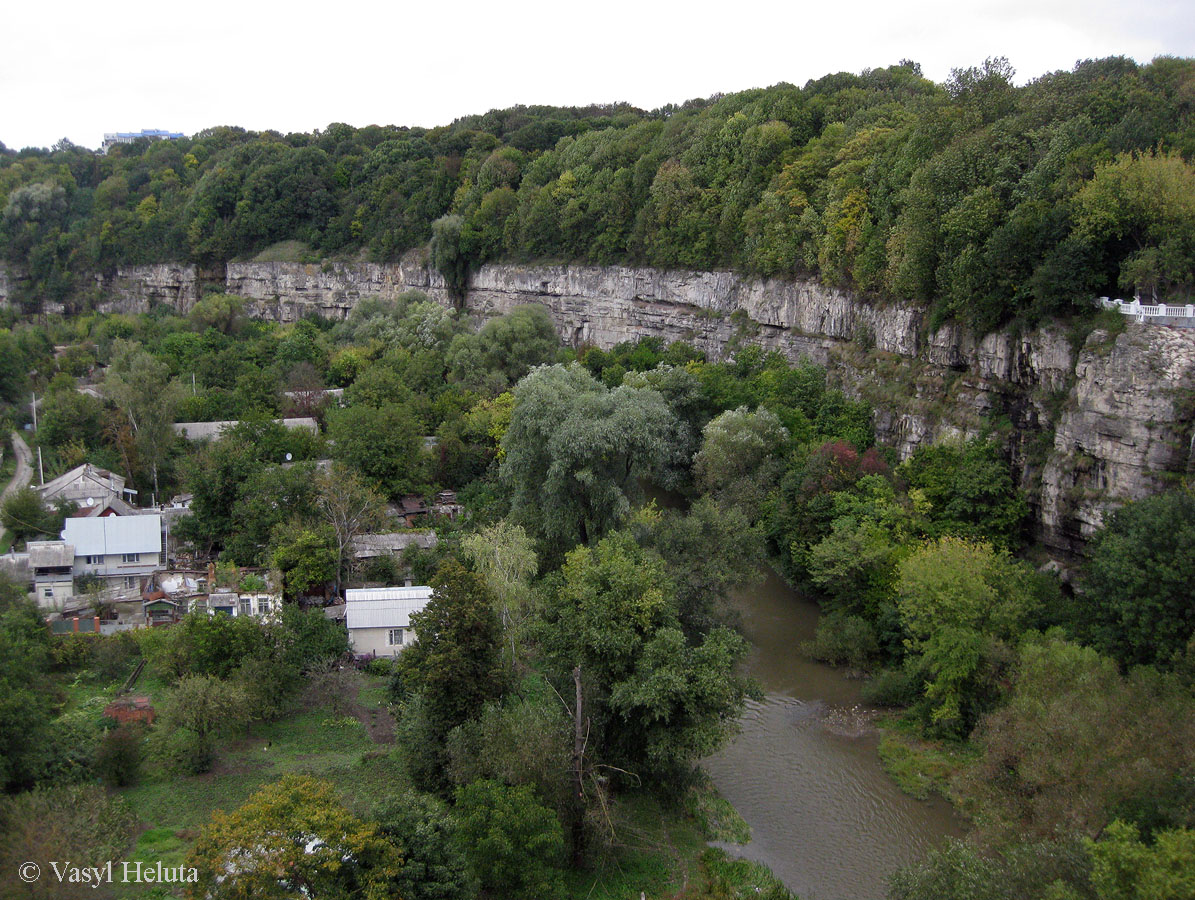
x=131 y=709
x=379 y=619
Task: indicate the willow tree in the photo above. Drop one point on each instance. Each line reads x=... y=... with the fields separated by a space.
x=575 y=451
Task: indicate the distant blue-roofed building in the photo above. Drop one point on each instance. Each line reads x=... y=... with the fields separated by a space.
x=111 y=139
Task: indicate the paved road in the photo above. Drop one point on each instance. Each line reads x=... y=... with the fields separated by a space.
x=24 y=473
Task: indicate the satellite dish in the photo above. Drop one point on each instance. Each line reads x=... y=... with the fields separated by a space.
x=288 y=457
x=91 y=501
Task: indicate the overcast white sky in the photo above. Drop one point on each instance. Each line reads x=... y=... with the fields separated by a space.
x=76 y=70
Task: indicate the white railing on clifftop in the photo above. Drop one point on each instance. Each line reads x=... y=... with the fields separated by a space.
x=1153 y=313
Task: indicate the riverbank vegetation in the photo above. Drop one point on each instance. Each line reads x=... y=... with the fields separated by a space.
x=580 y=655
x=1053 y=718
x=989 y=201
x=563 y=602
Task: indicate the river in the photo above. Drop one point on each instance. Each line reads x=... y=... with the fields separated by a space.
x=824 y=816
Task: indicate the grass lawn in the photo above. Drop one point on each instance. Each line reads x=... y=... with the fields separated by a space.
x=658 y=850
x=318 y=742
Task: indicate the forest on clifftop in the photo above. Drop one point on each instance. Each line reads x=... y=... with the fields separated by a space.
x=988 y=201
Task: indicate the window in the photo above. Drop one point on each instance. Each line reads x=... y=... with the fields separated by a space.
x=130 y=581
x=130 y=557
x=48 y=593
x=263 y=607
x=246 y=606
x=396 y=637
x=94 y=560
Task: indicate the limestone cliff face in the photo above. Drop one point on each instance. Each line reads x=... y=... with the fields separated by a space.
x=1086 y=428
x=287 y=291
x=137 y=289
x=1125 y=430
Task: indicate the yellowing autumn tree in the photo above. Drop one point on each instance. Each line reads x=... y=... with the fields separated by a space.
x=291 y=839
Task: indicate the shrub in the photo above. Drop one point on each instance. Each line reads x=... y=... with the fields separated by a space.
x=893 y=687
x=267 y=682
x=73 y=651
x=81 y=823
x=380 y=667
x=180 y=751
x=844 y=640
x=118 y=759
x=112 y=655
x=514 y=843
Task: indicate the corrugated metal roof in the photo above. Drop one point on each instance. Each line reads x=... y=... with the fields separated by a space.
x=101 y=479
x=421 y=593
x=369 y=545
x=50 y=554
x=381 y=613
x=196 y=431
x=114 y=534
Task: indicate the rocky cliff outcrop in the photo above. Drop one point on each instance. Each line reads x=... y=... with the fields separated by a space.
x=1125 y=429
x=1087 y=427
x=137 y=289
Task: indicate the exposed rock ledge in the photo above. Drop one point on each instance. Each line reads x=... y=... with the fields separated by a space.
x=1087 y=429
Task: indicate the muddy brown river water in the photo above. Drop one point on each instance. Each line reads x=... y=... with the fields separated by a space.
x=824 y=817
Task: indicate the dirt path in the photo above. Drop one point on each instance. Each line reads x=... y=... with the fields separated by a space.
x=378 y=720
x=24 y=473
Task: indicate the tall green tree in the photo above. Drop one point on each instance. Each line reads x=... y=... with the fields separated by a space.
x=575 y=451
x=1079 y=745
x=1136 y=601
x=384 y=444
x=141 y=387
x=25 y=706
x=449 y=254
x=958 y=601
x=505 y=557
x=966 y=489
x=456 y=659
x=658 y=699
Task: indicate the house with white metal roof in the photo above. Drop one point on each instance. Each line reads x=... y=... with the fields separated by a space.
x=116 y=547
x=379 y=619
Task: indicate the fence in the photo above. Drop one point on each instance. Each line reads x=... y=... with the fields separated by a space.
x=1153 y=313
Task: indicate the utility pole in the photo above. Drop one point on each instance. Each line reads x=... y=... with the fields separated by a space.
x=33 y=406
x=41 y=473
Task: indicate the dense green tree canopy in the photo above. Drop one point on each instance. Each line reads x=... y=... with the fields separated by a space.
x=1137 y=602
x=456 y=661
x=659 y=700
x=575 y=451
x=989 y=200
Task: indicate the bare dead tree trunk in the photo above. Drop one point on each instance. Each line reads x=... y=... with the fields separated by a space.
x=578 y=832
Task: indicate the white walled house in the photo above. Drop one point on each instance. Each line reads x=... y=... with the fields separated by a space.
x=86 y=483
x=52 y=563
x=119 y=549
x=379 y=619
x=262 y=604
